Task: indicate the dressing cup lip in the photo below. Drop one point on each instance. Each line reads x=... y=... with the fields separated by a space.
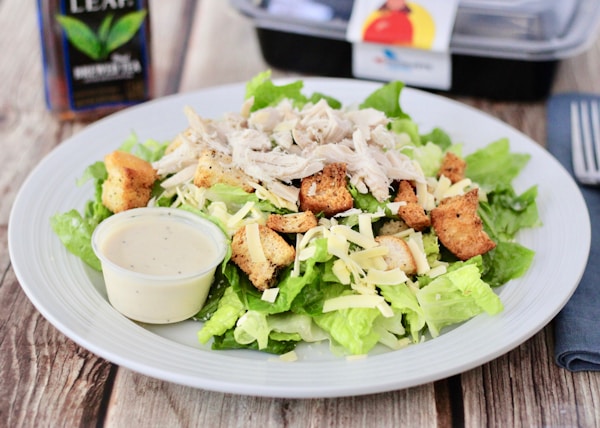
x=208 y=228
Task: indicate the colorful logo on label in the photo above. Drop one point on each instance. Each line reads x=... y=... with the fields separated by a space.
x=398 y=22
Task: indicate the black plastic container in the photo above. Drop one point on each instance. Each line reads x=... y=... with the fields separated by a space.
x=501 y=50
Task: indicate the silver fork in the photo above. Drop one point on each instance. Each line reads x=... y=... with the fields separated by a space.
x=585 y=141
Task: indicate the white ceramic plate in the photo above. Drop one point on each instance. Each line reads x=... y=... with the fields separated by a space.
x=72 y=297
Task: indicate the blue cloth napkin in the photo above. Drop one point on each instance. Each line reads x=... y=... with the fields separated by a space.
x=577 y=326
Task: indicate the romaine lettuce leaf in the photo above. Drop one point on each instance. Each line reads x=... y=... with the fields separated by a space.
x=367 y=202
x=455 y=297
x=301 y=325
x=509 y=260
x=96 y=172
x=235 y=197
x=317 y=96
x=150 y=150
x=505 y=213
x=227 y=341
x=392 y=332
x=404 y=300
x=75 y=229
x=259 y=327
x=494 y=166
x=266 y=93
x=252 y=327
x=75 y=232
x=230 y=309
x=351 y=328
x=406 y=125
x=386 y=99
x=429 y=156
x=438 y=137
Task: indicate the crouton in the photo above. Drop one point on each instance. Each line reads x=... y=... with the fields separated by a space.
x=216 y=167
x=453 y=167
x=325 y=192
x=129 y=182
x=292 y=223
x=412 y=213
x=399 y=255
x=459 y=228
x=277 y=255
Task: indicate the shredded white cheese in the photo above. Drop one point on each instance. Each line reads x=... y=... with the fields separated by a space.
x=437 y=271
x=442 y=186
x=235 y=219
x=338 y=246
x=306 y=253
x=356 y=357
x=270 y=295
x=385 y=309
x=279 y=200
x=296 y=270
x=425 y=198
x=289 y=357
x=405 y=233
x=395 y=206
x=364 y=257
x=341 y=271
x=386 y=277
x=255 y=248
x=353 y=236
x=415 y=244
x=457 y=188
x=365 y=226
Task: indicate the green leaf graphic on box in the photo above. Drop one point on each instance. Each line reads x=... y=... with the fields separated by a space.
x=109 y=37
x=81 y=36
x=105 y=28
x=124 y=29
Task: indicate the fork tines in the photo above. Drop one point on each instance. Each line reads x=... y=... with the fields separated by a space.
x=585 y=140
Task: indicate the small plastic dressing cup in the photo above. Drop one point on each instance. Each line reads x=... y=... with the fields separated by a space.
x=158 y=263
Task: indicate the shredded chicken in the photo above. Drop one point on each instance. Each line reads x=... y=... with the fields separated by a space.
x=277 y=145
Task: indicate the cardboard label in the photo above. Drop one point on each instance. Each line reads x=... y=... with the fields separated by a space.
x=403 y=40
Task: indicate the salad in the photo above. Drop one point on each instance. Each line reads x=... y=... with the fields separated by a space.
x=347 y=224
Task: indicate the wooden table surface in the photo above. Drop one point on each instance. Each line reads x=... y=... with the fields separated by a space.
x=48 y=380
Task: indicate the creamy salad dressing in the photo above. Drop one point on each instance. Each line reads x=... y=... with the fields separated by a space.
x=157 y=245
x=158 y=263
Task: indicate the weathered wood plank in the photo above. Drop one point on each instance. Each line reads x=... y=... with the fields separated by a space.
x=526 y=388
x=167 y=404
x=46 y=378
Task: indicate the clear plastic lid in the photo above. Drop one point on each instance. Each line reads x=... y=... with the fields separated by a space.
x=515 y=19
x=519 y=29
